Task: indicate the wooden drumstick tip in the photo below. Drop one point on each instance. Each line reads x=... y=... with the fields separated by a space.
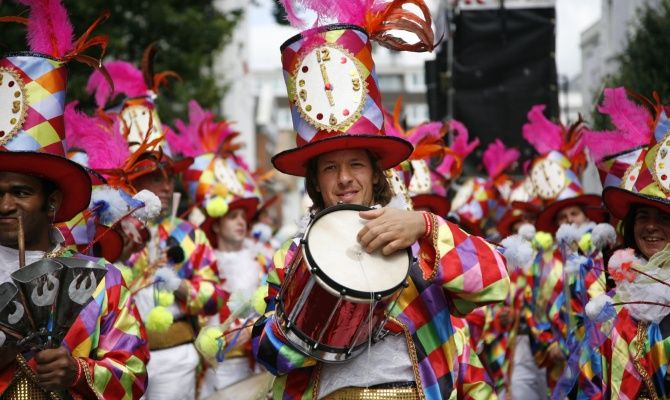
x=22 y=241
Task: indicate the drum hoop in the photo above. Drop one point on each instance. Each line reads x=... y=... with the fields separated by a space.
x=305 y=344
x=334 y=286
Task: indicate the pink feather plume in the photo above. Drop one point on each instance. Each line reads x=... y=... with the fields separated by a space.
x=49 y=28
x=202 y=134
x=429 y=131
x=460 y=146
x=127 y=79
x=541 y=133
x=328 y=11
x=632 y=122
x=497 y=158
x=100 y=139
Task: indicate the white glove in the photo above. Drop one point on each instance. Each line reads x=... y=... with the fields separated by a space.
x=168 y=277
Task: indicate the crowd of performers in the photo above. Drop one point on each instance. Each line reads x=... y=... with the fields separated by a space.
x=510 y=286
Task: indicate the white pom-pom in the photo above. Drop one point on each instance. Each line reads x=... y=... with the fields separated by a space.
x=261 y=232
x=621 y=257
x=168 y=277
x=152 y=205
x=603 y=235
x=518 y=251
x=568 y=234
x=108 y=204
x=527 y=231
x=596 y=305
x=574 y=263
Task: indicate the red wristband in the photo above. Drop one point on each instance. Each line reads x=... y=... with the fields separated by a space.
x=428 y=220
x=77 y=377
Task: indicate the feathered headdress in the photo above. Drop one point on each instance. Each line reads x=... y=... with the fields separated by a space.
x=128 y=79
x=378 y=17
x=546 y=136
x=497 y=158
x=202 y=134
x=50 y=32
x=634 y=125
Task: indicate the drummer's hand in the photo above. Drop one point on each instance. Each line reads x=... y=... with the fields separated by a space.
x=390 y=229
x=56 y=368
x=7 y=355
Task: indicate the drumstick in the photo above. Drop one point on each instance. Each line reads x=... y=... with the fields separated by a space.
x=22 y=241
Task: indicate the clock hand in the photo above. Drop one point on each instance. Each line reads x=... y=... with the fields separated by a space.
x=327 y=85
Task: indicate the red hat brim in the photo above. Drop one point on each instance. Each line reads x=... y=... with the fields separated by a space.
x=438 y=205
x=619 y=201
x=250 y=205
x=109 y=242
x=390 y=150
x=509 y=219
x=546 y=219
x=70 y=177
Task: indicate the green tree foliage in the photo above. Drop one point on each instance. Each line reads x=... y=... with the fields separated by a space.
x=189 y=35
x=644 y=66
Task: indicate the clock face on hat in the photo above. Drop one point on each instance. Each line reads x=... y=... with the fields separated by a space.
x=662 y=164
x=141 y=123
x=630 y=177
x=13 y=104
x=548 y=178
x=225 y=175
x=463 y=194
x=420 y=182
x=523 y=192
x=329 y=88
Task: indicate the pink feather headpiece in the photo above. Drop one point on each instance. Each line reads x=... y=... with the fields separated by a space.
x=98 y=136
x=128 y=79
x=461 y=147
x=50 y=32
x=378 y=17
x=546 y=136
x=202 y=134
x=497 y=158
x=633 y=126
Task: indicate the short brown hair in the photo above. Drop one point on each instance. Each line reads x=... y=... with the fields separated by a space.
x=381 y=191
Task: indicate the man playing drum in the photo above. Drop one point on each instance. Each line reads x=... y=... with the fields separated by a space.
x=342 y=153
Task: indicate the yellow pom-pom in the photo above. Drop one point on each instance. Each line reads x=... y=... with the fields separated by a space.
x=165 y=298
x=159 y=319
x=216 y=207
x=585 y=243
x=543 y=240
x=209 y=341
x=258 y=299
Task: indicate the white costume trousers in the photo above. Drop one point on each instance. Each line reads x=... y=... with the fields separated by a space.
x=172 y=373
x=528 y=382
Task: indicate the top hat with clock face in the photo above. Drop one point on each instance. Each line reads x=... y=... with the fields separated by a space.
x=634 y=159
x=558 y=185
x=334 y=98
x=32 y=103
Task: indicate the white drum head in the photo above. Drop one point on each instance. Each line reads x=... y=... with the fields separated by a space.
x=332 y=244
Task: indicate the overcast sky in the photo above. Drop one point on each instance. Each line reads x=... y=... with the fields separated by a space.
x=573 y=17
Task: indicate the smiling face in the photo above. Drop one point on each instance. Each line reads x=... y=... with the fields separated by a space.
x=345 y=176
x=651 y=229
